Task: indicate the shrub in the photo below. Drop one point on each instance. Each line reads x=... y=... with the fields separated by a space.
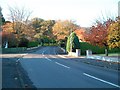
x=23 y=42
x=33 y=44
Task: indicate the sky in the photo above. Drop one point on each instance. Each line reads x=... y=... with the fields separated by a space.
x=83 y=12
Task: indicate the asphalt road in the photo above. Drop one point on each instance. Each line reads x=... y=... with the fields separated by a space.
x=48 y=70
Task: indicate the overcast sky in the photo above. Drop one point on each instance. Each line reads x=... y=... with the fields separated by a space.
x=84 y=12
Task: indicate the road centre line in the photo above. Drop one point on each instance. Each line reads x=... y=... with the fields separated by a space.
x=62 y=65
x=101 y=80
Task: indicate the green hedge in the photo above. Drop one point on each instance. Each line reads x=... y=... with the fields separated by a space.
x=33 y=44
x=13 y=50
x=95 y=49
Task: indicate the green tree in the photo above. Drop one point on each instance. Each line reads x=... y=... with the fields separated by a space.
x=36 y=24
x=2 y=19
x=47 y=28
x=43 y=28
x=72 y=43
x=114 y=34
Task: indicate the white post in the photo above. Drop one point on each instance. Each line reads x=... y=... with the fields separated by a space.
x=78 y=52
x=88 y=52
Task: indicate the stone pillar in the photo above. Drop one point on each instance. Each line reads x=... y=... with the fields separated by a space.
x=78 y=52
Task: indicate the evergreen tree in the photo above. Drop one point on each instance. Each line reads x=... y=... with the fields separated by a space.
x=72 y=43
x=2 y=20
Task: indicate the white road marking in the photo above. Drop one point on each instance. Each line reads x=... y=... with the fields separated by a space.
x=48 y=59
x=52 y=56
x=101 y=80
x=62 y=65
x=43 y=53
x=18 y=59
x=61 y=56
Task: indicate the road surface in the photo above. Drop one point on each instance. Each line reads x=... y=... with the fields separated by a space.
x=48 y=70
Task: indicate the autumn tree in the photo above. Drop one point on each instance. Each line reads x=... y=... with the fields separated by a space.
x=62 y=29
x=8 y=36
x=114 y=34
x=80 y=33
x=98 y=34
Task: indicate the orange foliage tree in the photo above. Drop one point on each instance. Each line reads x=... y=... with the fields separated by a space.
x=8 y=35
x=80 y=33
x=98 y=34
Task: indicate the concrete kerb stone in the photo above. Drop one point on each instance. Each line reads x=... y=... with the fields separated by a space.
x=104 y=58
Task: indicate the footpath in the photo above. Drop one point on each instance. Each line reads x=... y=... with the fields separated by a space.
x=110 y=62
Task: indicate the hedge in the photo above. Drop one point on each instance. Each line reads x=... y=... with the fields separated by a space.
x=13 y=50
x=95 y=49
x=33 y=44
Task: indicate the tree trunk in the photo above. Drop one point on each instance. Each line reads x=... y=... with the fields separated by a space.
x=106 y=51
x=6 y=44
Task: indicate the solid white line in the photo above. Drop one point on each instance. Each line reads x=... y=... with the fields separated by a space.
x=48 y=59
x=62 y=65
x=101 y=80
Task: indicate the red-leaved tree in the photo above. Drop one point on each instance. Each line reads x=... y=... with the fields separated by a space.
x=98 y=34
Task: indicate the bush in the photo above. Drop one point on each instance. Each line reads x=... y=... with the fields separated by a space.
x=33 y=44
x=23 y=42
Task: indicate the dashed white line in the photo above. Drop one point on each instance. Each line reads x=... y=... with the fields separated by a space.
x=61 y=56
x=52 y=56
x=62 y=65
x=48 y=59
x=43 y=53
x=101 y=80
